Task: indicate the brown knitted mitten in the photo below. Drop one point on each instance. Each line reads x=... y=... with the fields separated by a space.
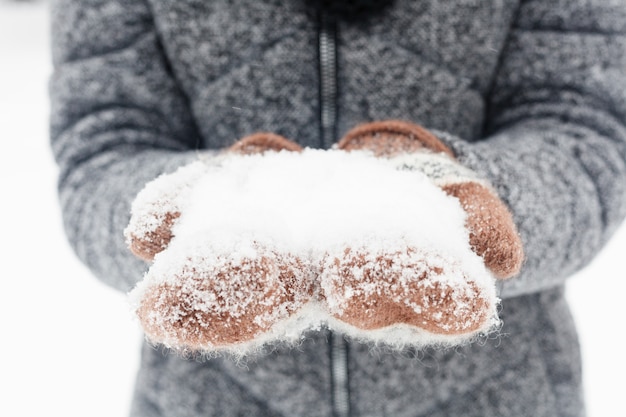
x=197 y=295
x=375 y=290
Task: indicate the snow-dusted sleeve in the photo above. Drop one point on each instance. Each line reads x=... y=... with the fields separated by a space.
x=118 y=120
x=555 y=146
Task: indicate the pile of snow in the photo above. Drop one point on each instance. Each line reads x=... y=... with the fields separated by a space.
x=318 y=200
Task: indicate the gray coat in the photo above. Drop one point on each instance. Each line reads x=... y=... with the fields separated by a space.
x=530 y=94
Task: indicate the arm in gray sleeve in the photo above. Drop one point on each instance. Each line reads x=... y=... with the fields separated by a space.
x=118 y=120
x=556 y=139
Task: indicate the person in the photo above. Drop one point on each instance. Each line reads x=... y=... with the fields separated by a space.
x=528 y=94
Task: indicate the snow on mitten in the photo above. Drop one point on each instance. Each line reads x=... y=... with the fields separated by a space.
x=205 y=293
x=407 y=295
x=493 y=235
x=407 y=290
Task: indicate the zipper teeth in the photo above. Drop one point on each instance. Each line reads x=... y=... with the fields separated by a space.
x=328 y=80
x=328 y=122
x=339 y=364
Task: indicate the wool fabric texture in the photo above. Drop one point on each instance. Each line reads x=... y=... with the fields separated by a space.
x=527 y=94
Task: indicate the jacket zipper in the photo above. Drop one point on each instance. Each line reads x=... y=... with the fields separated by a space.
x=339 y=375
x=327 y=47
x=327 y=43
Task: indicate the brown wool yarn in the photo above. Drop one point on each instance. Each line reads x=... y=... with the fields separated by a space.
x=262 y=142
x=492 y=232
x=146 y=246
x=391 y=137
x=379 y=295
x=268 y=288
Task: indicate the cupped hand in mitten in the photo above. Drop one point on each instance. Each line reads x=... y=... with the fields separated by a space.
x=407 y=287
x=202 y=293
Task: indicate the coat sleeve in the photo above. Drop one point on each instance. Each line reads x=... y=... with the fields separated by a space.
x=118 y=119
x=555 y=142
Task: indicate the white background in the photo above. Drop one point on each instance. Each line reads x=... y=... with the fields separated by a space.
x=68 y=344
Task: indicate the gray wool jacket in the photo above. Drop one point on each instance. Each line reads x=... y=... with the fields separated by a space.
x=530 y=94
